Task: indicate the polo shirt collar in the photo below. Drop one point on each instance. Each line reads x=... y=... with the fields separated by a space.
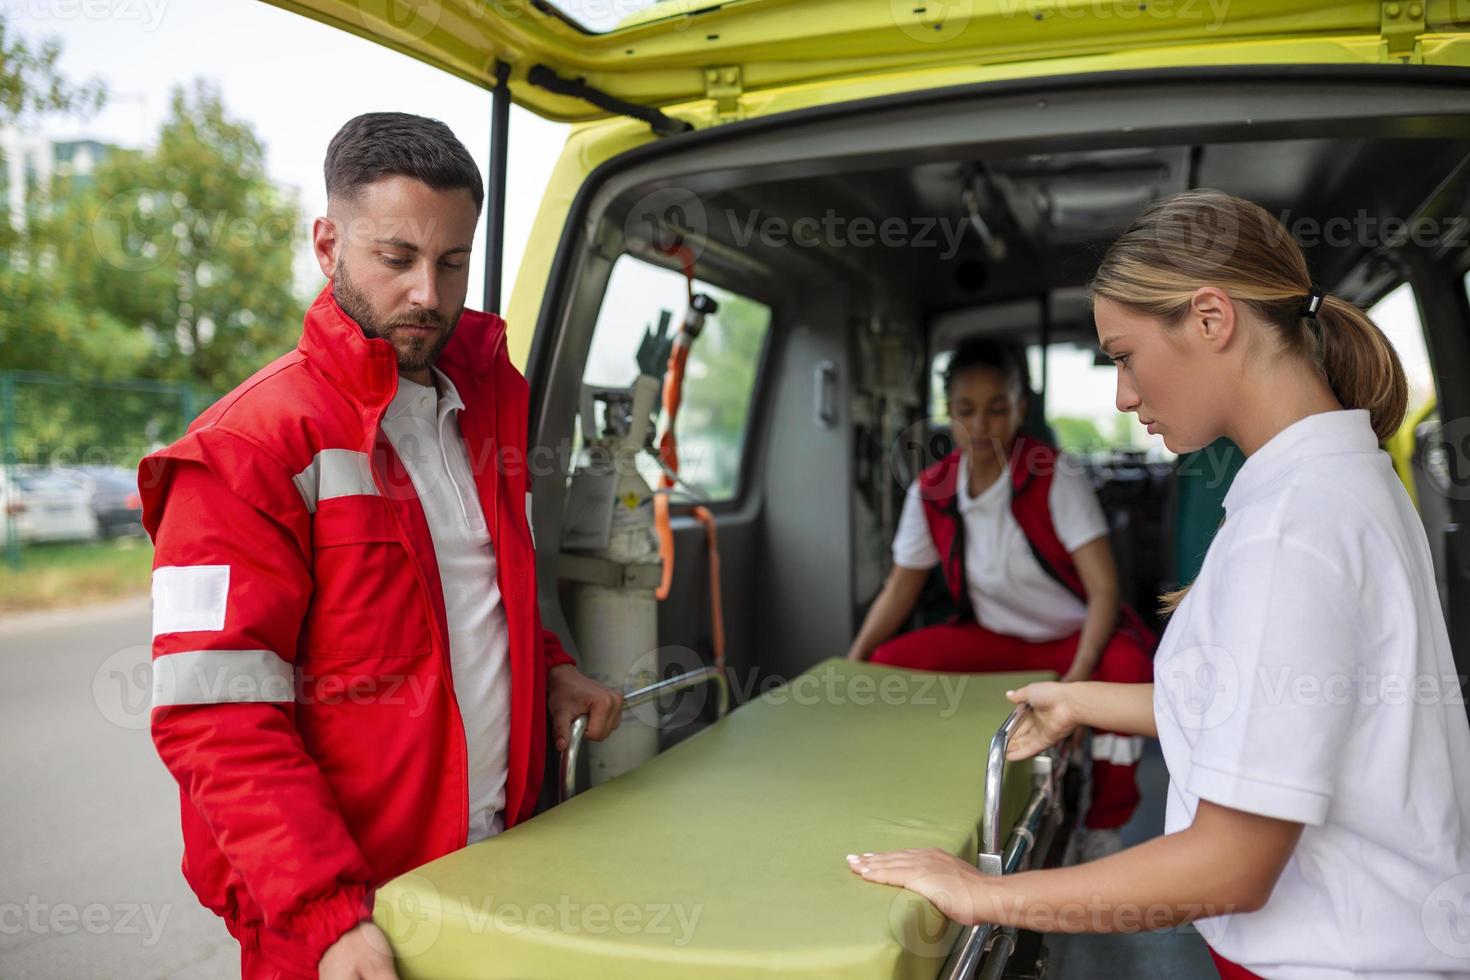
x=1323 y=434
x=403 y=402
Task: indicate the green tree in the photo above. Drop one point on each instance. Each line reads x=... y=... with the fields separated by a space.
x=41 y=324
x=1122 y=430
x=717 y=398
x=31 y=86
x=1077 y=435
x=188 y=244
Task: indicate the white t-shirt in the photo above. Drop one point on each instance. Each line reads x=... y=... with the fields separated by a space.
x=1009 y=590
x=420 y=423
x=1307 y=676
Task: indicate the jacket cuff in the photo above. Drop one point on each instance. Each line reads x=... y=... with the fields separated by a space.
x=553 y=652
x=316 y=926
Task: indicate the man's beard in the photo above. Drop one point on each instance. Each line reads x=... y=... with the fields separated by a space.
x=414 y=353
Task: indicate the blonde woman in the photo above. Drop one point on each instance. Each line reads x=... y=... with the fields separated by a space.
x=1305 y=697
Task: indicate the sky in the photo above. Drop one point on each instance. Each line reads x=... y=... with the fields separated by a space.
x=295 y=81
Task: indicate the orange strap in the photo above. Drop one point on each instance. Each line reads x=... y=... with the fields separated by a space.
x=716 y=606
x=668 y=454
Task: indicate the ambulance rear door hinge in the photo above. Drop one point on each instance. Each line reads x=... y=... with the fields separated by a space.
x=725 y=85
x=1401 y=23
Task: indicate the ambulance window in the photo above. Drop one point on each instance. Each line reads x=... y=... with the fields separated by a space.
x=1082 y=392
x=719 y=379
x=938 y=406
x=1397 y=315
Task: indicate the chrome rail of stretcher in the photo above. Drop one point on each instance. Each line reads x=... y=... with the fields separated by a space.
x=984 y=950
x=632 y=699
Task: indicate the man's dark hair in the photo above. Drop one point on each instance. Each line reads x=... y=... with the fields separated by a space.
x=382 y=144
x=1008 y=359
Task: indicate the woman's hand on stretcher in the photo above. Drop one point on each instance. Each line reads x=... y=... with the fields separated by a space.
x=1057 y=708
x=957 y=889
x=1052 y=718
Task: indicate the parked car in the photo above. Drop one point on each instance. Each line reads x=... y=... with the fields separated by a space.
x=48 y=505
x=115 y=498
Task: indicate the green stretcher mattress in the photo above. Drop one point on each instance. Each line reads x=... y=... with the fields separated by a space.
x=724 y=857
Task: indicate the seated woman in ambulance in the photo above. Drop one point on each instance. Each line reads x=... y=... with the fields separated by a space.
x=1024 y=544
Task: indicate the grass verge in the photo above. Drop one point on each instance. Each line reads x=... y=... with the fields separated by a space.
x=53 y=576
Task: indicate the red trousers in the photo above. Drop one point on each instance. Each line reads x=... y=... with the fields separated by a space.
x=972 y=649
x=1230 y=971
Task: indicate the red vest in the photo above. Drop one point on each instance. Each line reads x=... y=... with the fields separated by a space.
x=1032 y=465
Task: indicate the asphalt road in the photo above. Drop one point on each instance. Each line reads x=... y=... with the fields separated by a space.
x=89 y=854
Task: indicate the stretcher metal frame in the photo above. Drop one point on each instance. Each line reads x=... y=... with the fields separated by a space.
x=983 y=951
x=633 y=699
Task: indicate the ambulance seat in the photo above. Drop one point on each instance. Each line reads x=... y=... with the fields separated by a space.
x=1197 y=506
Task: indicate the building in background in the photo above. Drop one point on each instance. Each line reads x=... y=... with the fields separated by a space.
x=29 y=161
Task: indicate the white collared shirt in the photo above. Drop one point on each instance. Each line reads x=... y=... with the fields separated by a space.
x=1307 y=676
x=421 y=425
x=1009 y=590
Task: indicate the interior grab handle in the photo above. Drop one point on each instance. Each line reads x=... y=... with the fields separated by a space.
x=824 y=394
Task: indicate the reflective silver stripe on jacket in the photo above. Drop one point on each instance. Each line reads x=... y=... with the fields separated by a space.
x=221 y=677
x=335 y=473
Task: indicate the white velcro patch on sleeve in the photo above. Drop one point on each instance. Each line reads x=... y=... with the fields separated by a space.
x=190 y=598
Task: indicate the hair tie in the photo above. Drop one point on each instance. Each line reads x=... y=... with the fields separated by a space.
x=1313 y=303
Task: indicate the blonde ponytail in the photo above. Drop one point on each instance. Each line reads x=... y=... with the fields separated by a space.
x=1209 y=238
x=1360 y=365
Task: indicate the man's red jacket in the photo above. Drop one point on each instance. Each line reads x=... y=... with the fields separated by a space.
x=302 y=692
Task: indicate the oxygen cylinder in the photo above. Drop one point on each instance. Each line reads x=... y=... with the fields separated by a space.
x=615 y=618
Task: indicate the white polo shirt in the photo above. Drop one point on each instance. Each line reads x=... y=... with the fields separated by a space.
x=1009 y=590
x=1307 y=676
x=421 y=425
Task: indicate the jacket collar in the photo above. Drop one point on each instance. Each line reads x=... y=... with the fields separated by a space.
x=367 y=367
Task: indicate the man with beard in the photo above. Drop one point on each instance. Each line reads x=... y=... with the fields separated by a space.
x=350 y=676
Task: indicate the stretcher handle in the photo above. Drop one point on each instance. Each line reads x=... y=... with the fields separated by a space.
x=995 y=770
x=632 y=699
x=984 y=949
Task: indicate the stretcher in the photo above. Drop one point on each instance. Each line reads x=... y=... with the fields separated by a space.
x=724 y=857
